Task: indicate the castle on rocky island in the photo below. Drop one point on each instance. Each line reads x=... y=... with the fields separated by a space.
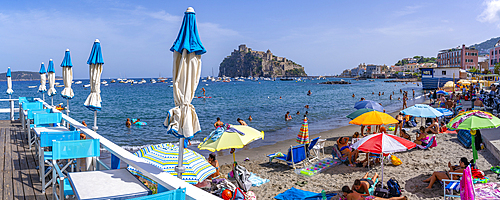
x=244 y=62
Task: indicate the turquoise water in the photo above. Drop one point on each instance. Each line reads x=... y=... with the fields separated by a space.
x=328 y=106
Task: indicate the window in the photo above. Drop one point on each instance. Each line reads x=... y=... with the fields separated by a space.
x=443 y=72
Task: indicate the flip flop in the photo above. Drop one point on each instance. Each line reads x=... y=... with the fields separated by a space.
x=301 y=183
x=495 y=169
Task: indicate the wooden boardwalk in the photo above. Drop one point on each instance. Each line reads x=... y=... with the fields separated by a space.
x=19 y=178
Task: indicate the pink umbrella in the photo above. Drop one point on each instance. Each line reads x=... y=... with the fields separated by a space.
x=382 y=143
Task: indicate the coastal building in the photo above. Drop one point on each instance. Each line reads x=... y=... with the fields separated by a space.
x=358 y=71
x=494 y=56
x=346 y=73
x=462 y=57
x=483 y=63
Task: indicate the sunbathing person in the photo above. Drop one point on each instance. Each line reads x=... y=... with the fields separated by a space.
x=433 y=128
x=356 y=135
x=349 y=194
x=404 y=135
x=362 y=185
x=343 y=144
x=422 y=137
x=444 y=175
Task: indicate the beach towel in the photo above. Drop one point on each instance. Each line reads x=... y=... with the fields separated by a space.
x=466 y=187
x=257 y=181
x=275 y=155
x=296 y=194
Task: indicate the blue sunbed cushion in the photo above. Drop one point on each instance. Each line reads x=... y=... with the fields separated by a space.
x=455 y=185
x=296 y=194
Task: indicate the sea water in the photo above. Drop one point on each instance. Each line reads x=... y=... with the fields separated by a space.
x=328 y=106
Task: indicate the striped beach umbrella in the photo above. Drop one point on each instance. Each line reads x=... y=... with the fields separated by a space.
x=303 y=137
x=165 y=157
x=43 y=81
x=9 y=83
x=95 y=63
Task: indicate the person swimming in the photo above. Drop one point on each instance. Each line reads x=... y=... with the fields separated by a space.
x=309 y=93
x=127 y=123
x=250 y=118
x=353 y=95
x=218 y=123
x=288 y=116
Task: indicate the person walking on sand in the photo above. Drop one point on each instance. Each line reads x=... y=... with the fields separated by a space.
x=404 y=101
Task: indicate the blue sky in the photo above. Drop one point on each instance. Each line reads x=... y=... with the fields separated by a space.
x=323 y=36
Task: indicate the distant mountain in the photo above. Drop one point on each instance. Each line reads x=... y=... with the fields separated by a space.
x=484 y=47
x=23 y=76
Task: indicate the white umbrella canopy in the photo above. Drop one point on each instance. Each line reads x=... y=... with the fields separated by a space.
x=182 y=121
x=43 y=79
x=52 y=78
x=9 y=83
x=67 y=76
x=95 y=63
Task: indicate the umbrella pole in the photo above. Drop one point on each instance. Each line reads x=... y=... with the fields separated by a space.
x=52 y=101
x=474 y=151
x=95 y=121
x=382 y=175
x=11 y=108
x=234 y=157
x=179 y=168
x=43 y=96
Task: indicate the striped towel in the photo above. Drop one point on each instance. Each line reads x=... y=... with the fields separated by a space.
x=257 y=181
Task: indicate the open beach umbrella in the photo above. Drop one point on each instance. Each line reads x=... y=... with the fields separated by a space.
x=182 y=121
x=382 y=143
x=358 y=113
x=51 y=72
x=422 y=110
x=442 y=92
x=369 y=104
x=9 y=83
x=374 y=118
x=474 y=120
x=95 y=63
x=445 y=111
x=43 y=79
x=303 y=137
x=165 y=156
x=67 y=72
x=234 y=136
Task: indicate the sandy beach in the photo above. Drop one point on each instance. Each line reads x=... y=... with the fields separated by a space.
x=417 y=166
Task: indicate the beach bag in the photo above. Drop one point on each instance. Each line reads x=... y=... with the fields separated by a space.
x=395 y=160
x=380 y=191
x=242 y=175
x=238 y=194
x=250 y=196
x=394 y=188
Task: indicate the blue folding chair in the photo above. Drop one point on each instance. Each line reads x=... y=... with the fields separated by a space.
x=295 y=155
x=178 y=194
x=70 y=150
x=46 y=140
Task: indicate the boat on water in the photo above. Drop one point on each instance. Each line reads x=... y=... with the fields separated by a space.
x=434 y=78
x=286 y=79
x=88 y=85
x=104 y=82
x=152 y=80
x=121 y=81
x=59 y=85
x=78 y=82
x=142 y=81
x=32 y=86
x=113 y=81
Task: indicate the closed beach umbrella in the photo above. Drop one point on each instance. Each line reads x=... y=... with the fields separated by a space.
x=52 y=81
x=182 y=121
x=382 y=143
x=43 y=79
x=445 y=111
x=67 y=72
x=369 y=104
x=422 y=110
x=303 y=137
x=95 y=63
x=233 y=136
x=374 y=118
x=358 y=113
x=9 y=83
x=165 y=156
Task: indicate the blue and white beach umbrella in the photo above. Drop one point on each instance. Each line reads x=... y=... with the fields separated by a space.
x=67 y=72
x=165 y=157
x=445 y=111
x=43 y=80
x=369 y=104
x=422 y=110
x=95 y=63
x=182 y=121
x=52 y=79
x=9 y=83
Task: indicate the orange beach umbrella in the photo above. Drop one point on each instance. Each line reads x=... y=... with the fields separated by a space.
x=374 y=118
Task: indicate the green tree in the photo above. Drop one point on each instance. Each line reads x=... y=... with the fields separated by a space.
x=497 y=68
x=474 y=70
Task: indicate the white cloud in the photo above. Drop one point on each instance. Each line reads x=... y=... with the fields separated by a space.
x=407 y=11
x=492 y=12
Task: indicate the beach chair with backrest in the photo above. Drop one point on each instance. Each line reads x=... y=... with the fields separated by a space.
x=70 y=150
x=42 y=119
x=310 y=147
x=432 y=143
x=451 y=186
x=295 y=155
x=337 y=154
x=45 y=157
x=319 y=146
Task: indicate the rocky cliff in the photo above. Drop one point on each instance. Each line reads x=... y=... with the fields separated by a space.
x=246 y=62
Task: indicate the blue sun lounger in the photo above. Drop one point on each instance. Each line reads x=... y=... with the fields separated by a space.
x=295 y=155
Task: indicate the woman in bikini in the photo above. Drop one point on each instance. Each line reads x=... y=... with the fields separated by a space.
x=213 y=161
x=349 y=194
x=422 y=137
x=444 y=175
x=343 y=144
x=400 y=118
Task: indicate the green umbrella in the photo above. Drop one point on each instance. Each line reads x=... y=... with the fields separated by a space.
x=358 y=113
x=474 y=120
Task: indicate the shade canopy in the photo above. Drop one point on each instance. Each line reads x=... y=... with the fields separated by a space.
x=95 y=63
x=165 y=156
x=474 y=120
x=445 y=111
x=236 y=136
x=374 y=118
x=369 y=104
x=422 y=110
x=43 y=79
x=51 y=73
x=383 y=143
x=182 y=121
x=359 y=112
x=67 y=72
x=442 y=92
x=9 y=83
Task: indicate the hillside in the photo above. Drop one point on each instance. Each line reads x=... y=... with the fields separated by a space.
x=23 y=76
x=483 y=47
x=246 y=62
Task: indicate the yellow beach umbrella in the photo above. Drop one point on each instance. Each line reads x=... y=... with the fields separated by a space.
x=374 y=118
x=235 y=136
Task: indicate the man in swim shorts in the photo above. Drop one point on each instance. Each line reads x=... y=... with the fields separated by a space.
x=362 y=185
x=349 y=194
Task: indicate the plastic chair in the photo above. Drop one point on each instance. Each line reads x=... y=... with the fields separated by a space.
x=337 y=154
x=179 y=194
x=449 y=186
x=432 y=143
x=295 y=155
x=70 y=150
x=310 y=147
x=320 y=146
x=46 y=140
